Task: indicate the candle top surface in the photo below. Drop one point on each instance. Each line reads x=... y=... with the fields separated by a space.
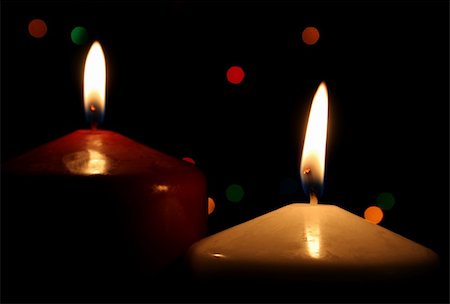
x=304 y=239
x=94 y=152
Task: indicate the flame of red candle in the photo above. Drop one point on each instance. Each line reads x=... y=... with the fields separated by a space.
x=94 y=85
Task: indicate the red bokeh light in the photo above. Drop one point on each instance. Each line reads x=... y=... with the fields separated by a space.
x=37 y=28
x=189 y=160
x=235 y=74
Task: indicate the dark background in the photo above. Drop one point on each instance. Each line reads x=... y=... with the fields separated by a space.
x=385 y=64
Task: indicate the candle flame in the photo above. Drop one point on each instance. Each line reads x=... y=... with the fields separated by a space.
x=94 y=84
x=312 y=166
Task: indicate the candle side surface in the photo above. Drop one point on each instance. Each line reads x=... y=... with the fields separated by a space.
x=310 y=242
x=95 y=211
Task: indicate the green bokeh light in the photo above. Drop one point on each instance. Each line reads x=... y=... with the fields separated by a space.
x=79 y=35
x=235 y=193
x=385 y=201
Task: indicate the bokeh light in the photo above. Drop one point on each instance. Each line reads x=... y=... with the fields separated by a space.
x=385 y=201
x=288 y=186
x=235 y=74
x=211 y=205
x=310 y=35
x=79 y=35
x=235 y=193
x=189 y=160
x=37 y=28
x=373 y=214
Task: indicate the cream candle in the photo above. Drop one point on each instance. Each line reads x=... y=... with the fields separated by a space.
x=310 y=242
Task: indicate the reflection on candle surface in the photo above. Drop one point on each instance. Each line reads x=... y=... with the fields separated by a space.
x=160 y=188
x=312 y=231
x=218 y=255
x=87 y=162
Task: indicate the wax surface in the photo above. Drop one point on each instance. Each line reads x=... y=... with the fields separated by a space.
x=95 y=209
x=95 y=152
x=309 y=242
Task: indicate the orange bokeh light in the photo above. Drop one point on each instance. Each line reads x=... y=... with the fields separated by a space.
x=310 y=35
x=373 y=214
x=211 y=205
x=37 y=28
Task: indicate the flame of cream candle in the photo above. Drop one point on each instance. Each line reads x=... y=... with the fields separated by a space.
x=94 y=84
x=312 y=166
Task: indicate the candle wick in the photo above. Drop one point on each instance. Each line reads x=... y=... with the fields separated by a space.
x=313 y=198
x=93 y=109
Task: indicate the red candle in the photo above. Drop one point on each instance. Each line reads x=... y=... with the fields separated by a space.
x=95 y=204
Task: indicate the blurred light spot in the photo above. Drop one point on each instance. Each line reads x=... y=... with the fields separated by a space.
x=373 y=214
x=385 y=201
x=288 y=186
x=79 y=35
x=235 y=193
x=87 y=162
x=235 y=74
x=218 y=255
x=37 y=28
x=310 y=35
x=189 y=160
x=160 y=188
x=211 y=205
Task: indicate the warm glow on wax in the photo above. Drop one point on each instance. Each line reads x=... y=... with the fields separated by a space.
x=87 y=162
x=312 y=166
x=313 y=240
x=94 y=85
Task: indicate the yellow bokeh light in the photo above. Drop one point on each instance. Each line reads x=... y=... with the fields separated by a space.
x=373 y=214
